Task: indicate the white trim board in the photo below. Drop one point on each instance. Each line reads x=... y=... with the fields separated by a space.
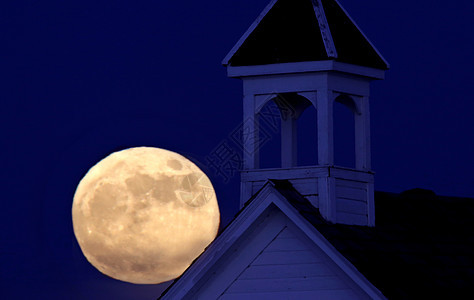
x=304 y=67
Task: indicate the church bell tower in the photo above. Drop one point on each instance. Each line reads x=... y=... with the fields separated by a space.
x=302 y=53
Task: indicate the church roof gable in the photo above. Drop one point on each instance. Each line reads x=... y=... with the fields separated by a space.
x=253 y=241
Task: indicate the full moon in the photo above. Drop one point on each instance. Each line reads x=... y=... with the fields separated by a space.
x=142 y=215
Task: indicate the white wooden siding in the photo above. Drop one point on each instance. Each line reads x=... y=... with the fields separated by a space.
x=351 y=206
x=287 y=258
x=287 y=271
x=257 y=185
x=342 y=195
x=351 y=197
x=352 y=184
x=286 y=284
x=347 y=192
x=305 y=186
x=303 y=179
x=286 y=244
x=245 y=250
x=351 y=201
x=291 y=267
x=345 y=294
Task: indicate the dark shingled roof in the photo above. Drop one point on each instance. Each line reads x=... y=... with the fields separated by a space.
x=290 y=33
x=422 y=246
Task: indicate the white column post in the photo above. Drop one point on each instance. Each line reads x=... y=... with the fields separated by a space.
x=250 y=134
x=327 y=197
x=370 y=204
x=325 y=127
x=362 y=135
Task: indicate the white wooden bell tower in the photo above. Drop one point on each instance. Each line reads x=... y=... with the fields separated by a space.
x=300 y=53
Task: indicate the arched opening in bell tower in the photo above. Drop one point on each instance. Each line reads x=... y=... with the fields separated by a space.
x=287 y=121
x=308 y=137
x=269 y=133
x=345 y=109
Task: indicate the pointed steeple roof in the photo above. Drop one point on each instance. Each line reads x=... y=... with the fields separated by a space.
x=290 y=31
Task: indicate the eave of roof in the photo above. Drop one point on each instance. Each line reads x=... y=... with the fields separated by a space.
x=421 y=247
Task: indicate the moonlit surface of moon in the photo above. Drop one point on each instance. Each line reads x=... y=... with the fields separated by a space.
x=142 y=215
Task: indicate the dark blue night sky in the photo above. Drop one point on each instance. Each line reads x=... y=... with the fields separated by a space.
x=82 y=79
